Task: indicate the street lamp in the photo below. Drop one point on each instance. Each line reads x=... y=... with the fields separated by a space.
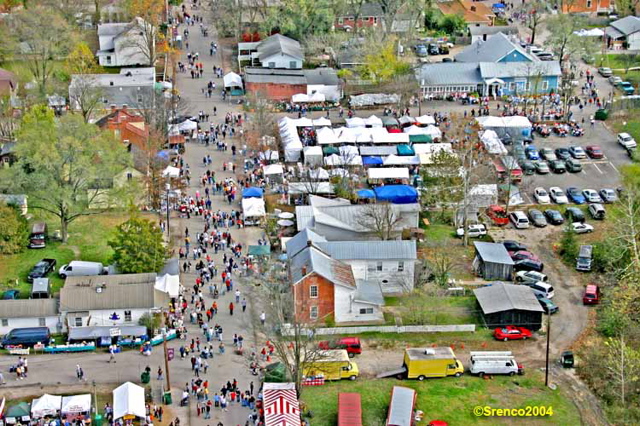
x=168 y=187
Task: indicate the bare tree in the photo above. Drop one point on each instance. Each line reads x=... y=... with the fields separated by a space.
x=85 y=94
x=440 y=262
x=158 y=109
x=623 y=364
x=381 y=219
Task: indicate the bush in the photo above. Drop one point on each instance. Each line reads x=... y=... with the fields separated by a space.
x=569 y=246
x=14 y=230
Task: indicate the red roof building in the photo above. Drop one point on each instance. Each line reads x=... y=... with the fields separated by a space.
x=129 y=127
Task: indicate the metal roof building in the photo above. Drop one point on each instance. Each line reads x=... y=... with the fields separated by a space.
x=369 y=250
x=492 y=261
x=508 y=304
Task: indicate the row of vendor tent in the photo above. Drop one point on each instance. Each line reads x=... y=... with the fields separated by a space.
x=377 y=135
x=349 y=155
x=394 y=194
x=374 y=121
x=492 y=143
x=303 y=98
x=514 y=127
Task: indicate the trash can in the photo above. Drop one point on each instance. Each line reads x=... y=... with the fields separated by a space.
x=602 y=114
x=97 y=420
x=167 y=398
x=145 y=377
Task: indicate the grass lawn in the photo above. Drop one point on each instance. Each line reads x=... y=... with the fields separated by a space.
x=88 y=237
x=420 y=308
x=633 y=124
x=449 y=399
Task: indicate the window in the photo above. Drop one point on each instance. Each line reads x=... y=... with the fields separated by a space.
x=293 y=64
x=108 y=60
x=42 y=322
x=379 y=266
x=5 y=322
x=313 y=291
x=512 y=86
x=401 y=266
x=313 y=313
x=78 y=321
x=129 y=175
x=341 y=21
x=127 y=316
x=272 y=64
x=545 y=85
x=364 y=311
x=589 y=4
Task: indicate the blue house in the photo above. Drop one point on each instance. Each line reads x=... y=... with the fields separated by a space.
x=498 y=48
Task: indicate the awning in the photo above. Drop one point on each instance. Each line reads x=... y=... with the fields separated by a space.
x=405 y=150
x=388 y=173
x=232 y=80
x=420 y=139
x=259 y=250
x=128 y=401
x=372 y=160
x=329 y=150
x=98 y=331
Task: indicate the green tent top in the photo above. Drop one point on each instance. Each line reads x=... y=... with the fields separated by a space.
x=405 y=150
x=259 y=250
x=275 y=373
x=420 y=139
x=389 y=121
x=329 y=150
x=19 y=410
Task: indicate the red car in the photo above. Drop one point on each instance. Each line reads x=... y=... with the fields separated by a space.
x=524 y=255
x=594 y=151
x=351 y=344
x=498 y=215
x=511 y=332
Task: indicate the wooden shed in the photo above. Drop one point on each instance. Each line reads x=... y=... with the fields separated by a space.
x=492 y=261
x=508 y=304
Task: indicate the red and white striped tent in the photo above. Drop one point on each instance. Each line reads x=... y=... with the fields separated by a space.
x=281 y=406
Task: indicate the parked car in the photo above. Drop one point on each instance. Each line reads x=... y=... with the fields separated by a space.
x=585 y=258
x=575 y=196
x=577 y=152
x=528 y=167
x=25 y=337
x=532 y=153
x=542 y=167
x=548 y=154
x=10 y=294
x=581 y=228
x=563 y=153
x=541 y=195
x=513 y=246
x=541 y=289
x=573 y=165
x=528 y=265
x=597 y=211
x=547 y=305
x=626 y=140
x=41 y=269
x=605 y=71
x=350 y=344
x=608 y=195
x=433 y=49
x=626 y=87
x=537 y=218
x=558 y=166
x=497 y=214
x=574 y=214
x=554 y=217
x=591 y=195
x=530 y=276
x=523 y=254
x=519 y=219
x=511 y=332
x=421 y=50
x=557 y=195
x=591 y=295
x=595 y=152
x=473 y=231
x=615 y=80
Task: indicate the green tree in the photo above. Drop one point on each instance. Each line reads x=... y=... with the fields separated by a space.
x=562 y=38
x=301 y=18
x=64 y=165
x=569 y=246
x=383 y=64
x=453 y=24
x=14 y=230
x=138 y=246
x=151 y=321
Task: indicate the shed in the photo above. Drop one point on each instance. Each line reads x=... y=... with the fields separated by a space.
x=40 y=288
x=508 y=304
x=492 y=261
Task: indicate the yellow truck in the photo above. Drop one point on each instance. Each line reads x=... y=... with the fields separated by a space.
x=332 y=365
x=422 y=363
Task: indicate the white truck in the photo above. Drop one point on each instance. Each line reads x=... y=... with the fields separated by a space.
x=494 y=363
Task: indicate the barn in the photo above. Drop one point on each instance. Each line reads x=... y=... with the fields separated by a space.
x=508 y=304
x=492 y=261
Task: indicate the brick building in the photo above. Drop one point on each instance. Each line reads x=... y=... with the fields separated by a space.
x=129 y=127
x=282 y=84
x=368 y=15
x=587 y=6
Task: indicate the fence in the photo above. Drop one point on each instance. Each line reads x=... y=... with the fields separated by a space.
x=389 y=329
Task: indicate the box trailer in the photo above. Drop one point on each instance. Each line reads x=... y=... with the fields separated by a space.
x=349 y=409
x=332 y=365
x=422 y=363
x=403 y=401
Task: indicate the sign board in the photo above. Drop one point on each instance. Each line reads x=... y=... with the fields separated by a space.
x=19 y=351
x=113 y=332
x=170 y=353
x=38 y=347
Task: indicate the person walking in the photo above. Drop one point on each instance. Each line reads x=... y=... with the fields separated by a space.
x=263 y=318
x=231 y=308
x=244 y=304
x=79 y=372
x=159 y=373
x=112 y=353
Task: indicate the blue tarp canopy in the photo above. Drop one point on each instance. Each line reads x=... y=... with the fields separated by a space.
x=372 y=160
x=366 y=193
x=498 y=6
x=405 y=150
x=397 y=194
x=252 y=192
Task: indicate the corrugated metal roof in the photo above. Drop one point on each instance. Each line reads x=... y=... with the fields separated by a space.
x=353 y=217
x=278 y=43
x=302 y=240
x=28 y=308
x=493 y=253
x=613 y=33
x=502 y=297
x=449 y=73
x=495 y=48
x=304 y=217
x=476 y=30
x=519 y=69
x=627 y=25
x=323 y=75
x=312 y=260
x=369 y=250
x=369 y=292
x=274 y=75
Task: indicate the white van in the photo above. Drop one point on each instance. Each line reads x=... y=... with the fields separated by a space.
x=79 y=267
x=494 y=363
x=519 y=219
x=541 y=289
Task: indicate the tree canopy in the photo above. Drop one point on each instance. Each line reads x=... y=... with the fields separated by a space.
x=14 y=230
x=138 y=246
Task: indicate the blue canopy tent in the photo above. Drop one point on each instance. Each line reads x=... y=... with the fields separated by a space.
x=405 y=150
x=397 y=194
x=372 y=160
x=366 y=193
x=252 y=192
x=498 y=6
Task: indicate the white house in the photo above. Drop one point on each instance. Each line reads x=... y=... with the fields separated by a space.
x=276 y=51
x=21 y=313
x=126 y=44
x=624 y=34
x=109 y=299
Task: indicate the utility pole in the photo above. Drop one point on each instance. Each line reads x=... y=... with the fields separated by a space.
x=166 y=356
x=168 y=186
x=546 y=370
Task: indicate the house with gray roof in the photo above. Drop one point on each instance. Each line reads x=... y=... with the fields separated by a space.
x=109 y=299
x=624 y=33
x=125 y=44
x=508 y=304
x=492 y=261
x=19 y=313
x=497 y=48
x=483 y=32
x=276 y=51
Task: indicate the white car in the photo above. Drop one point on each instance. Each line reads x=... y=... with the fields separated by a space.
x=473 y=231
x=626 y=140
x=591 y=195
x=558 y=196
x=581 y=228
x=541 y=195
x=530 y=276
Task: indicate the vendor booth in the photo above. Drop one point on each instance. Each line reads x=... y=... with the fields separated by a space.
x=76 y=407
x=313 y=156
x=128 y=402
x=169 y=284
x=396 y=194
x=383 y=173
x=233 y=83
x=46 y=406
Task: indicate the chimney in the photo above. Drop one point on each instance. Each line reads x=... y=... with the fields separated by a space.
x=113 y=107
x=473 y=8
x=304 y=270
x=124 y=107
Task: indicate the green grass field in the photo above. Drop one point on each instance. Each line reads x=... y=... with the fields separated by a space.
x=449 y=399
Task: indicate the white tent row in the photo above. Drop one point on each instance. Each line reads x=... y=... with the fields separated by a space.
x=388 y=173
x=301 y=97
x=273 y=169
x=429 y=148
x=492 y=143
x=290 y=139
x=128 y=400
x=46 y=405
x=169 y=284
x=232 y=80
x=430 y=130
x=426 y=119
x=310 y=188
x=313 y=156
x=371 y=121
x=401 y=160
x=511 y=121
x=253 y=207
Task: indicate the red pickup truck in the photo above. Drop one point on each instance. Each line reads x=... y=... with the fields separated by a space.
x=498 y=215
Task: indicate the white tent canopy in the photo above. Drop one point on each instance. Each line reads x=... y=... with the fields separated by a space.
x=232 y=80
x=401 y=160
x=492 y=143
x=511 y=121
x=319 y=174
x=269 y=155
x=321 y=122
x=172 y=172
x=426 y=119
x=345 y=135
x=326 y=136
x=46 y=405
x=310 y=188
x=253 y=207
x=313 y=155
x=333 y=160
x=301 y=97
x=593 y=32
x=169 y=284
x=273 y=169
x=187 y=125
x=290 y=139
x=76 y=403
x=433 y=131
x=356 y=122
x=373 y=121
x=128 y=400
x=388 y=173
x=415 y=130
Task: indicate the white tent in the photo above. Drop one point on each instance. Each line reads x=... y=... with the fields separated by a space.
x=401 y=160
x=322 y=122
x=388 y=173
x=290 y=139
x=313 y=156
x=492 y=143
x=512 y=121
x=319 y=174
x=169 y=284
x=348 y=151
x=433 y=131
x=317 y=97
x=428 y=148
x=345 y=135
x=273 y=169
x=76 y=404
x=299 y=97
x=356 y=122
x=303 y=122
x=415 y=130
x=593 y=32
x=310 y=188
x=333 y=160
x=232 y=80
x=326 y=136
x=373 y=121
x=269 y=155
x=187 y=125
x=46 y=405
x=172 y=172
x=426 y=119
x=253 y=207
x=128 y=400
